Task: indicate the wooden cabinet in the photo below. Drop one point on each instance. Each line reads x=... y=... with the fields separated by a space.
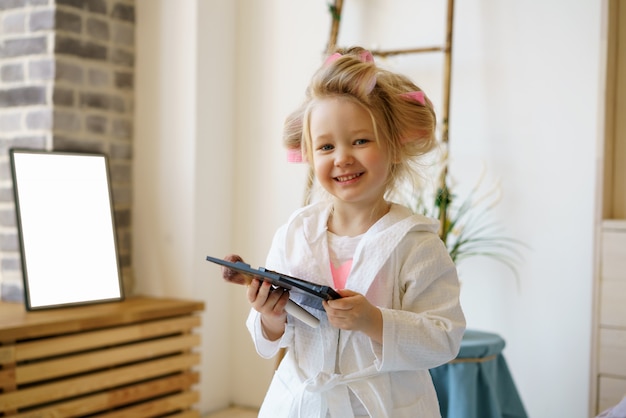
x=133 y=358
x=611 y=338
x=608 y=349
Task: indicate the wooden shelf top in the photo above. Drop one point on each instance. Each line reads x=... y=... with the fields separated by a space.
x=614 y=224
x=16 y=323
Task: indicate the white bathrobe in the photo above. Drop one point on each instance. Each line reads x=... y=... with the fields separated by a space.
x=402 y=267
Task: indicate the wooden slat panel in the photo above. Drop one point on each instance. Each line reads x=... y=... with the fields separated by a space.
x=115 y=398
x=96 y=339
x=613 y=308
x=17 y=324
x=157 y=407
x=611 y=392
x=7 y=354
x=614 y=255
x=613 y=275
x=70 y=365
x=612 y=352
x=96 y=381
x=7 y=378
x=186 y=414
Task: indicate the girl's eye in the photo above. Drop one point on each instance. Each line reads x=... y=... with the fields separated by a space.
x=361 y=141
x=326 y=147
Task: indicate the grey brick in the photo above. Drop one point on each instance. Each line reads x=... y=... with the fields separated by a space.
x=98 y=29
x=124 y=81
x=11 y=264
x=102 y=101
x=42 y=20
x=12 y=292
x=39 y=119
x=6 y=194
x=95 y=100
x=96 y=6
x=124 y=241
x=78 y=4
x=122 y=218
x=5 y=144
x=121 y=57
x=96 y=124
x=63 y=97
x=69 y=72
x=23 y=46
x=122 y=128
x=10 y=121
x=66 y=121
x=7 y=218
x=122 y=195
x=98 y=77
x=13 y=23
x=23 y=96
x=27 y=141
x=71 y=46
x=121 y=151
x=124 y=34
x=5 y=170
x=70 y=22
x=12 y=72
x=65 y=143
x=118 y=104
x=11 y=4
x=120 y=172
x=125 y=260
x=124 y=12
x=41 y=70
x=19 y=142
x=8 y=242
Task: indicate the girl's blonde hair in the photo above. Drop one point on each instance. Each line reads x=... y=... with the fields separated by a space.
x=404 y=124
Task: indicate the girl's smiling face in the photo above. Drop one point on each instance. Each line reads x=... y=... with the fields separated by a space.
x=347 y=160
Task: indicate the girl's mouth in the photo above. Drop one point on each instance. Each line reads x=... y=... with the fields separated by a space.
x=348 y=177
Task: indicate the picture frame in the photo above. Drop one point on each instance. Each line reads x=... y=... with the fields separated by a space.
x=66 y=228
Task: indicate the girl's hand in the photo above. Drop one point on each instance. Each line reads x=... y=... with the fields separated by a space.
x=270 y=303
x=233 y=276
x=354 y=312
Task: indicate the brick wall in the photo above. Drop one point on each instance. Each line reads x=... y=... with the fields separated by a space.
x=66 y=83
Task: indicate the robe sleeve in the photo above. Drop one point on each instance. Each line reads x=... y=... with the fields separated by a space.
x=264 y=347
x=426 y=329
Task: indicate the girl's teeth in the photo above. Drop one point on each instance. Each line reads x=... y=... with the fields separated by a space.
x=347 y=177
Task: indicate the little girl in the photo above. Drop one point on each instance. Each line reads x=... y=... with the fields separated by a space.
x=361 y=128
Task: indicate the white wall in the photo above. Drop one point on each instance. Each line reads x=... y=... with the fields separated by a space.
x=182 y=173
x=214 y=83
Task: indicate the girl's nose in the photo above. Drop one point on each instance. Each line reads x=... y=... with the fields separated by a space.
x=343 y=157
